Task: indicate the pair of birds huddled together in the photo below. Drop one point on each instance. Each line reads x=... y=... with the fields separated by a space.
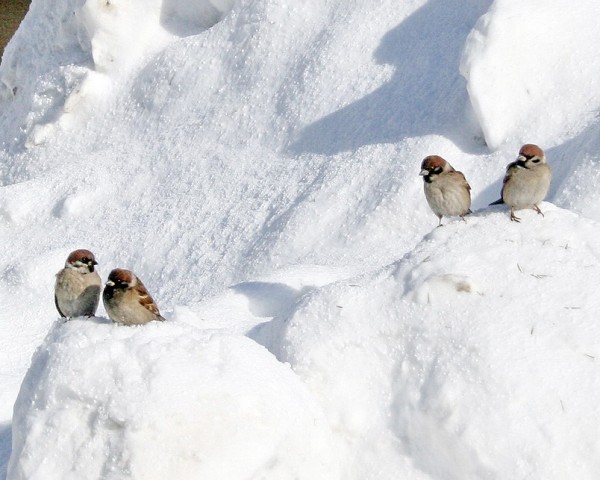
x=525 y=184
x=77 y=292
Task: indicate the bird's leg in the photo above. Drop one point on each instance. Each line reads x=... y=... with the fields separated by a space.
x=537 y=209
x=440 y=224
x=513 y=217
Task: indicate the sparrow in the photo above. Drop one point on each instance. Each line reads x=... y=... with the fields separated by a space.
x=526 y=182
x=127 y=301
x=446 y=190
x=78 y=285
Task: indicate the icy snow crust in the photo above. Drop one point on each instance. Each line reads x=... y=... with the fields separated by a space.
x=256 y=164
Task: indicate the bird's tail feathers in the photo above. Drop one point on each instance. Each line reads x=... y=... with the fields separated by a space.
x=497 y=202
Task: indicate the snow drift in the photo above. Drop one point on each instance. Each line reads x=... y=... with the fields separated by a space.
x=103 y=401
x=256 y=163
x=460 y=361
x=530 y=72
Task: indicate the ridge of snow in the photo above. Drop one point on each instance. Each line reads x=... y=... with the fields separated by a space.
x=527 y=75
x=166 y=400
x=459 y=361
x=256 y=164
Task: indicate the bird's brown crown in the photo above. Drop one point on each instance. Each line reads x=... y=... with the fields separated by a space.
x=80 y=255
x=433 y=161
x=121 y=276
x=530 y=150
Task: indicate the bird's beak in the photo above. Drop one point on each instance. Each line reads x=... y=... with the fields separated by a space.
x=94 y=262
x=424 y=172
x=110 y=283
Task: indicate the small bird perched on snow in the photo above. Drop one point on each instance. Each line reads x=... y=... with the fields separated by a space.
x=446 y=190
x=526 y=182
x=77 y=287
x=127 y=301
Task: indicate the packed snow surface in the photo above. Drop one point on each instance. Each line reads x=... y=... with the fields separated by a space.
x=165 y=401
x=255 y=163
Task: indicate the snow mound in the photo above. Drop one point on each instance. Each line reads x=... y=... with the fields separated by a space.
x=578 y=164
x=532 y=70
x=460 y=361
x=66 y=61
x=163 y=401
x=247 y=172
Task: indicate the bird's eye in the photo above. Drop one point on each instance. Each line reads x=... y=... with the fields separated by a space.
x=85 y=260
x=537 y=160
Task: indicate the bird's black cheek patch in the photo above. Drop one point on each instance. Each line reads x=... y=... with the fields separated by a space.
x=521 y=163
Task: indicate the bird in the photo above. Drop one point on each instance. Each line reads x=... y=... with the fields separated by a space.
x=78 y=285
x=526 y=182
x=127 y=301
x=446 y=190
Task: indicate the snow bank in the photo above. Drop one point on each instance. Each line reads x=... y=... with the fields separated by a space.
x=68 y=59
x=532 y=70
x=240 y=169
x=577 y=169
x=163 y=401
x=475 y=356
x=455 y=362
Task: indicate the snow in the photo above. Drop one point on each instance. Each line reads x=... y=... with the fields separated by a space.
x=256 y=164
x=114 y=390
x=469 y=371
x=527 y=73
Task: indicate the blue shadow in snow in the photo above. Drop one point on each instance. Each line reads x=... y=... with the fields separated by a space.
x=5 y=448
x=426 y=94
x=268 y=299
x=274 y=301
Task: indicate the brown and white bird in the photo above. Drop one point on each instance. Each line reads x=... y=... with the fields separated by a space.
x=127 y=301
x=526 y=182
x=446 y=190
x=78 y=285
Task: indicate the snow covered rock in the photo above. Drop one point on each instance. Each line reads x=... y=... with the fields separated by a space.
x=163 y=401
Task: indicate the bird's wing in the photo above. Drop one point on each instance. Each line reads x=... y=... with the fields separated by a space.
x=146 y=300
x=462 y=178
x=58 y=308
